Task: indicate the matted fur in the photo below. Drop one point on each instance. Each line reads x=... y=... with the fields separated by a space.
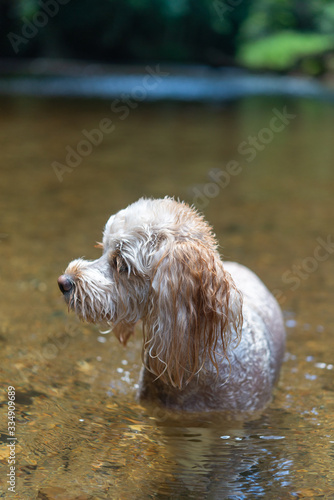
x=160 y=264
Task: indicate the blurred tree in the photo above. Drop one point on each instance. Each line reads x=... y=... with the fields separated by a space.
x=285 y=34
x=202 y=31
x=260 y=34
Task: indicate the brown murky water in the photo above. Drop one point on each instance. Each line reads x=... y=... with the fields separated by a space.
x=80 y=432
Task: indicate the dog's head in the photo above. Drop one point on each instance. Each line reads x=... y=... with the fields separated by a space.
x=159 y=264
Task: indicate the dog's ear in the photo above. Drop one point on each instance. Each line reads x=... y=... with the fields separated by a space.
x=190 y=311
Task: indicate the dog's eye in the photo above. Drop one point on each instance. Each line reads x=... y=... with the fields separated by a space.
x=119 y=263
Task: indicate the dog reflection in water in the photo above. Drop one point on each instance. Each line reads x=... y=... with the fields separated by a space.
x=213 y=335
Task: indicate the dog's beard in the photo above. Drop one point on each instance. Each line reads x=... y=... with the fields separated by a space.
x=92 y=297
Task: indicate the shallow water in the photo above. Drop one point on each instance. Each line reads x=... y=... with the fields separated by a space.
x=78 y=425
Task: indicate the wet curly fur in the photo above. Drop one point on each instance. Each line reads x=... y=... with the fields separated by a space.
x=213 y=335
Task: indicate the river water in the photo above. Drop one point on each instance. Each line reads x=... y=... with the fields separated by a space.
x=261 y=170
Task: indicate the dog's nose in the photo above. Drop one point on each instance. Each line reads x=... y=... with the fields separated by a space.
x=65 y=283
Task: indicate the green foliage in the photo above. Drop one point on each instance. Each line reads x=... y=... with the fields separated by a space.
x=261 y=34
x=325 y=19
x=278 y=34
x=283 y=50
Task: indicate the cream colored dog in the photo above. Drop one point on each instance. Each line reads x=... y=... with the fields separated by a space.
x=213 y=335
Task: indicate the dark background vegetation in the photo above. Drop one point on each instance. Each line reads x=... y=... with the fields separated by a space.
x=281 y=35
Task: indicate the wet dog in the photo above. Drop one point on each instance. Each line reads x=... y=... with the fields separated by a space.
x=213 y=334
